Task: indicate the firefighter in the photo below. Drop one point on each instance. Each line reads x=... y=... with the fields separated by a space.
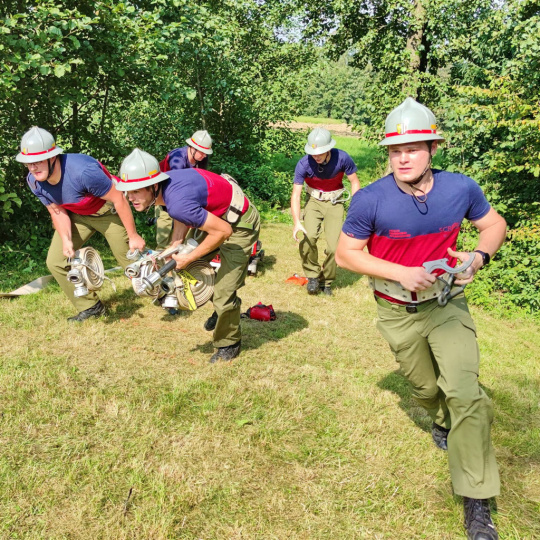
x=82 y=199
x=405 y=219
x=321 y=173
x=216 y=205
x=192 y=156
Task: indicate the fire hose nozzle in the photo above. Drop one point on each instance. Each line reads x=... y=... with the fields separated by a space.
x=133 y=255
x=75 y=277
x=168 y=285
x=155 y=278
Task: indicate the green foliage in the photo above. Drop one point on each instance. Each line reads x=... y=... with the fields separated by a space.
x=402 y=47
x=105 y=76
x=494 y=125
x=334 y=90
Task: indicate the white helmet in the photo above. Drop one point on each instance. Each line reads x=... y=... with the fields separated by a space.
x=201 y=141
x=139 y=170
x=319 y=141
x=410 y=122
x=37 y=144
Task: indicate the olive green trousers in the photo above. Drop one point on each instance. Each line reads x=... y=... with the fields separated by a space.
x=438 y=353
x=82 y=229
x=235 y=253
x=164 y=228
x=319 y=214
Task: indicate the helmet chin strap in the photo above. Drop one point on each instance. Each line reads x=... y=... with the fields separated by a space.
x=155 y=193
x=50 y=167
x=421 y=177
x=320 y=166
x=423 y=197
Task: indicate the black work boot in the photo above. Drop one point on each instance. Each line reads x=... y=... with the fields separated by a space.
x=95 y=311
x=211 y=322
x=326 y=289
x=313 y=285
x=440 y=436
x=226 y=354
x=478 y=520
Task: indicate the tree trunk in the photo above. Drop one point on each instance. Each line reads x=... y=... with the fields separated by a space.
x=199 y=92
x=417 y=53
x=75 y=128
x=104 y=108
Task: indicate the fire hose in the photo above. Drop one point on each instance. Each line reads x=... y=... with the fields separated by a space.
x=87 y=271
x=186 y=289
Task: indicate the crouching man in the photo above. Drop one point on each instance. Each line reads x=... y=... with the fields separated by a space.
x=405 y=219
x=81 y=198
x=203 y=200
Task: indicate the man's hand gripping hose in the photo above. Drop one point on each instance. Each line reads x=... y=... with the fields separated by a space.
x=442 y=264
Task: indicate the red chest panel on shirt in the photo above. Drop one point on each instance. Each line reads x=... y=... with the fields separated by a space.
x=85 y=207
x=325 y=184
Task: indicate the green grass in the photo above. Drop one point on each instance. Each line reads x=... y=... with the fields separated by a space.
x=309 y=434
x=317 y=120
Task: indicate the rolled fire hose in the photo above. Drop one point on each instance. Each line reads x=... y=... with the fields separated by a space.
x=87 y=271
x=144 y=270
x=202 y=290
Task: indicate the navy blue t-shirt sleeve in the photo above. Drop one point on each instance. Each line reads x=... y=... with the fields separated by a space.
x=176 y=160
x=360 y=222
x=478 y=204
x=300 y=173
x=349 y=166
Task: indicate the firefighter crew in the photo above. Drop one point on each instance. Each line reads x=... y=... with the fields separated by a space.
x=192 y=156
x=321 y=173
x=200 y=199
x=405 y=219
x=81 y=197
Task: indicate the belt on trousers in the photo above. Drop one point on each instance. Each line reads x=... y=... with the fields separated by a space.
x=105 y=209
x=324 y=196
x=242 y=224
x=409 y=308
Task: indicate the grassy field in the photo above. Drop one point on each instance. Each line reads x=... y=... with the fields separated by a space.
x=317 y=120
x=119 y=428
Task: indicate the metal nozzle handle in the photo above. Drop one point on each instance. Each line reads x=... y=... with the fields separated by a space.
x=155 y=277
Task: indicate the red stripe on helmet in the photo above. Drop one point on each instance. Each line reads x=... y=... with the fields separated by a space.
x=200 y=145
x=38 y=153
x=141 y=179
x=412 y=132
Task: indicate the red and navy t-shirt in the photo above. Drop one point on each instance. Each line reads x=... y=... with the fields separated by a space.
x=178 y=159
x=82 y=183
x=327 y=177
x=191 y=194
x=404 y=231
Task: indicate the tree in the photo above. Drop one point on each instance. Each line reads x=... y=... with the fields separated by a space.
x=405 y=46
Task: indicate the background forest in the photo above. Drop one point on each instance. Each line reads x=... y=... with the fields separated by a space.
x=106 y=76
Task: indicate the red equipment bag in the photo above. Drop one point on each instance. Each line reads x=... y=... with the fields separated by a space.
x=260 y=312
